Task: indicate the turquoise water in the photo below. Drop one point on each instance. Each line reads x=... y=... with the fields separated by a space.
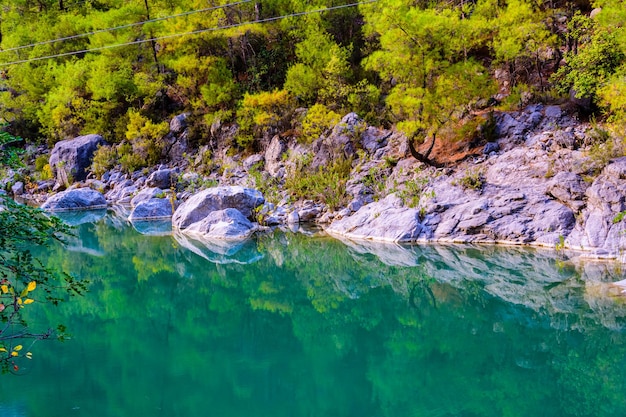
x=297 y=325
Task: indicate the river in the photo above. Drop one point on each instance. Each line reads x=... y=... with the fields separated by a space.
x=300 y=324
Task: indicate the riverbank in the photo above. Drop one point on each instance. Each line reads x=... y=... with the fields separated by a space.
x=537 y=182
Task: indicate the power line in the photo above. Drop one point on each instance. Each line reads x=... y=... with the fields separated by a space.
x=195 y=32
x=158 y=19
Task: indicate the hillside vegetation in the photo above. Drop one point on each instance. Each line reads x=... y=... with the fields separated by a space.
x=121 y=68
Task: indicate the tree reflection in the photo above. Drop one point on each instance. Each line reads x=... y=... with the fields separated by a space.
x=317 y=327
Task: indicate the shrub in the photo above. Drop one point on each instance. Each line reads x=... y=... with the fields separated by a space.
x=318 y=120
x=129 y=160
x=40 y=162
x=104 y=159
x=145 y=139
x=42 y=167
x=472 y=180
x=263 y=112
x=326 y=185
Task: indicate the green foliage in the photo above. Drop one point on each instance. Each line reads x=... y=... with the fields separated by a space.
x=42 y=167
x=420 y=65
x=604 y=147
x=321 y=70
x=9 y=155
x=263 y=112
x=589 y=70
x=317 y=121
x=376 y=177
x=22 y=275
x=269 y=186
x=324 y=184
x=473 y=179
x=619 y=217
x=129 y=160
x=104 y=158
x=415 y=191
x=145 y=138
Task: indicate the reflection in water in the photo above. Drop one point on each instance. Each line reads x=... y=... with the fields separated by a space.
x=294 y=325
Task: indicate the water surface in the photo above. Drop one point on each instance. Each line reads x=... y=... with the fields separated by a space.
x=296 y=325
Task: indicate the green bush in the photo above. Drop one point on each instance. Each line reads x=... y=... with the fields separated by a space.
x=326 y=185
x=318 y=120
x=104 y=159
x=145 y=138
x=129 y=160
x=42 y=167
x=263 y=112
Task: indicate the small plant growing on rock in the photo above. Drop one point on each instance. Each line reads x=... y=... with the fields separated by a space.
x=472 y=180
x=42 y=167
x=415 y=191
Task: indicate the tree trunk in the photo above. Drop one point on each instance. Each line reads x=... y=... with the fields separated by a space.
x=423 y=158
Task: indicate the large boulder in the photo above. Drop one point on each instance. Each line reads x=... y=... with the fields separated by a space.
x=146 y=194
x=227 y=224
x=151 y=209
x=163 y=178
x=200 y=205
x=75 y=199
x=72 y=158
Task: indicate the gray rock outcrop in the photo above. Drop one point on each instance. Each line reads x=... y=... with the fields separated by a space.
x=602 y=228
x=75 y=199
x=226 y=224
x=72 y=158
x=162 y=178
x=200 y=205
x=386 y=220
x=151 y=209
x=273 y=155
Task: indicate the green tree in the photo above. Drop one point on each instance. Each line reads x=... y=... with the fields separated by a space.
x=25 y=281
x=433 y=82
x=591 y=65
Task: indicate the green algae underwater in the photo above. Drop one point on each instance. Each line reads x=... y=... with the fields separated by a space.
x=300 y=324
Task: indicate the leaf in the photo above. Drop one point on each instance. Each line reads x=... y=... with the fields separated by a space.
x=19 y=301
x=29 y=301
x=2 y=349
x=14 y=353
x=31 y=286
x=17 y=348
x=29 y=355
x=2 y=307
x=4 y=288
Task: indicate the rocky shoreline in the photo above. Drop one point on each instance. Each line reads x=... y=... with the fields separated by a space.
x=536 y=184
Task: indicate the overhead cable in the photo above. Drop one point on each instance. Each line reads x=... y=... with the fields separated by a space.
x=194 y=32
x=129 y=25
